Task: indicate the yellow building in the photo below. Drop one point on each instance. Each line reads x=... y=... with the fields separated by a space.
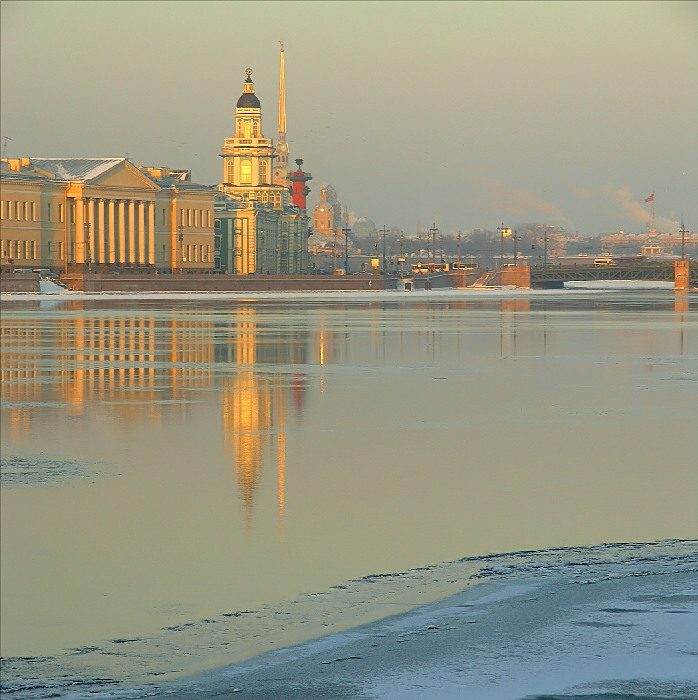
x=97 y=214
x=257 y=230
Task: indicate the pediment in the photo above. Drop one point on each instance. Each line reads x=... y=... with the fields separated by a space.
x=125 y=175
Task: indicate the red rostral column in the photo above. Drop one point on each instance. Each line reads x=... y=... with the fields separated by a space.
x=299 y=190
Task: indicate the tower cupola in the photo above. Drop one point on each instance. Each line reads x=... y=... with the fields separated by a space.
x=248 y=100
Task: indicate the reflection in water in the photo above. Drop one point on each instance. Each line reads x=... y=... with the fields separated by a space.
x=321 y=441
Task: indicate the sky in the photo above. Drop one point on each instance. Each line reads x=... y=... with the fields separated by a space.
x=463 y=114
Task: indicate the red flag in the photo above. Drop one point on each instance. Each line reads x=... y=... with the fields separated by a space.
x=650 y=198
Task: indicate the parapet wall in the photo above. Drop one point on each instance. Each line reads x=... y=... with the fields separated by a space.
x=23 y=282
x=222 y=283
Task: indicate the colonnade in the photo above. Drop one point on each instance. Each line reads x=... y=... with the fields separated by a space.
x=114 y=231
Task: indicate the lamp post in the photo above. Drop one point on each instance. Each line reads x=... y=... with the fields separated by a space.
x=346 y=231
x=458 y=246
x=334 y=253
x=87 y=267
x=515 y=238
x=433 y=231
x=683 y=233
x=384 y=230
x=503 y=232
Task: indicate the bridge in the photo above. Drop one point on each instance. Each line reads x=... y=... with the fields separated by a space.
x=554 y=277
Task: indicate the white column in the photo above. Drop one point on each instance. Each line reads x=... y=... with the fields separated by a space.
x=122 y=231
x=111 y=226
x=91 y=233
x=78 y=208
x=142 y=235
x=102 y=235
x=151 y=233
x=132 y=231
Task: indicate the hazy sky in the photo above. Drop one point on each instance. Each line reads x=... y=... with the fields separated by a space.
x=467 y=114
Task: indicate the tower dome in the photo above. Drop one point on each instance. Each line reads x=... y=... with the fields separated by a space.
x=248 y=100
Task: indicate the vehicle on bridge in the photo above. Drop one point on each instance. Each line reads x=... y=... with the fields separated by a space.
x=605 y=262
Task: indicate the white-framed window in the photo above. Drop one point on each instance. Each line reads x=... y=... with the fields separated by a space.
x=246 y=172
x=61 y=214
x=33 y=208
x=230 y=177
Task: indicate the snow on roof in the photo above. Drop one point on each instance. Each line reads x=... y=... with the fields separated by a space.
x=76 y=168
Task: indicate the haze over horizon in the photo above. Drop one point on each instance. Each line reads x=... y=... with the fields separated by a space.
x=466 y=114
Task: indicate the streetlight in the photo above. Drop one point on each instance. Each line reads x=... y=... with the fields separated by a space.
x=88 y=253
x=515 y=238
x=334 y=252
x=346 y=231
x=433 y=231
x=683 y=231
x=384 y=230
x=503 y=233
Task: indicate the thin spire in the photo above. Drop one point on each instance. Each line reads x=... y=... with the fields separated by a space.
x=282 y=96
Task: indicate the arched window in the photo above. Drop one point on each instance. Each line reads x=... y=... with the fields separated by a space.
x=248 y=129
x=263 y=170
x=230 y=172
x=246 y=172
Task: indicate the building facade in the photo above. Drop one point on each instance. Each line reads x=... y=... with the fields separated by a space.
x=258 y=231
x=101 y=214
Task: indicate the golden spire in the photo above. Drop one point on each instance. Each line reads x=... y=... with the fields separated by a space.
x=282 y=97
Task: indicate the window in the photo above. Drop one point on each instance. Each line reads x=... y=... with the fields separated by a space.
x=61 y=217
x=2 y=212
x=248 y=129
x=48 y=211
x=18 y=211
x=246 y=172
x=196 y=253
x=60 y=250
x=263 y=172
x=33 y=250
x=49 y=250
x=3 y=247
x=33 y=208
x=208 y=253
x=208 y=218
x=164 y=218
x=255 y=129
x=231 y=172
x=183 y=217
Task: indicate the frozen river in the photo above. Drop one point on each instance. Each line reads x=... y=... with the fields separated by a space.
x=189 y=482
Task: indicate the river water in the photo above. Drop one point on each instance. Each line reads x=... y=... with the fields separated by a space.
x=173 y=464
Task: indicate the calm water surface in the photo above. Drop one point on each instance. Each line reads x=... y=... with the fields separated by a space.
x=170 y=461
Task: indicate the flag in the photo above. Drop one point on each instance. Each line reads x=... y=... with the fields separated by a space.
x=650 y=198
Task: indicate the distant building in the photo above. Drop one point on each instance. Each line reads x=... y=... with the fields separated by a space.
x=258 y=231
x=99 y=214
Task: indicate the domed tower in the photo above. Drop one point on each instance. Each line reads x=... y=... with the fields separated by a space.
x=248 y=156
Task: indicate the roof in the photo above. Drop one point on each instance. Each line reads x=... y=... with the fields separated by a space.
x=75 y=168
x=248 y=100
x=22 y=175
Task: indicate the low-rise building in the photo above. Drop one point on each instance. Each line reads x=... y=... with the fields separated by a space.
x=101 y=214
